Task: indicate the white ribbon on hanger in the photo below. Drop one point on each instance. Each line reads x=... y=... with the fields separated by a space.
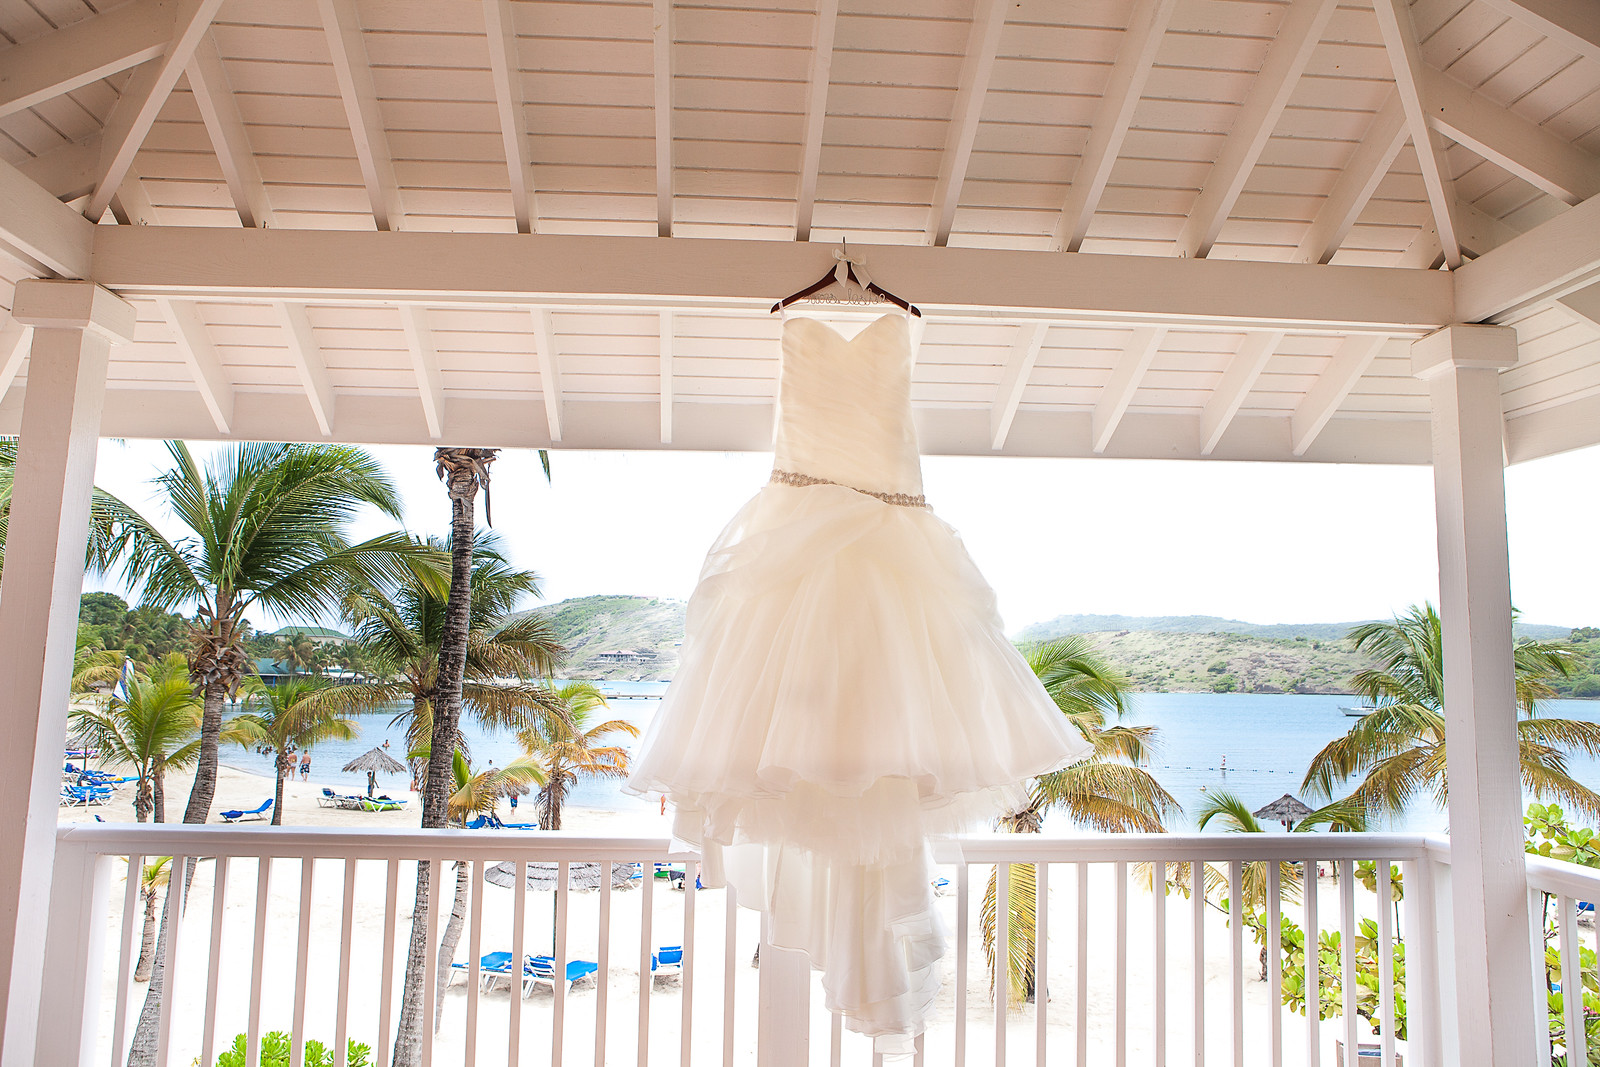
x=846 y=263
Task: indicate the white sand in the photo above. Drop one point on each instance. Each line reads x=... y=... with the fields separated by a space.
x=278 y=986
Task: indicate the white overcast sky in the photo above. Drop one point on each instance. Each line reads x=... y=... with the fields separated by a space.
x=1254 y=541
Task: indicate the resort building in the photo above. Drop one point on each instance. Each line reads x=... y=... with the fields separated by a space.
x=1286 y=231
x=317 y=635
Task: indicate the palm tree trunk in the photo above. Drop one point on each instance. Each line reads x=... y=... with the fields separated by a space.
x=141 y=800
x=283 y=768
x=450 y=939
x=205 y=771
x=147 y=945
x=408 y=1030
x=158 y=779
x=142 y=1050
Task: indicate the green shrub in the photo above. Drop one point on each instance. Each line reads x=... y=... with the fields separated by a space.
x=275 y=1048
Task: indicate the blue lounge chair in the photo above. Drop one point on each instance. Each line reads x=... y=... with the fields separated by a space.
x=254 y=813
x=668 y=959
x=542 y=969
x=491 y=967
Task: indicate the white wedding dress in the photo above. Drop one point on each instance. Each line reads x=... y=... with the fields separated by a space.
x=846 y=690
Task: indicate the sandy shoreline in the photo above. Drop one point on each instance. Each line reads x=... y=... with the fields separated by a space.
x=277 y=1006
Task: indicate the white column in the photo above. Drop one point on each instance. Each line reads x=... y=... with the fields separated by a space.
x=75 y=324
x=1488 y=878
x=783 y=1011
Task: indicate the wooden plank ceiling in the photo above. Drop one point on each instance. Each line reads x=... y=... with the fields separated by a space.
x=1255 y=130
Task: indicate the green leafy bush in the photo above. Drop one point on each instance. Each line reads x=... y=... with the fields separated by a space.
x=275 y=1048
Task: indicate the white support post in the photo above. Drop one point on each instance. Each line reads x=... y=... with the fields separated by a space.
x=783 y=1013
x=69 y=1014
x=74 y=325
x=1495 y=1014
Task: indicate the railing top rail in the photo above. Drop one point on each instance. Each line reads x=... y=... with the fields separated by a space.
x=182 y=840
x=1559 y=876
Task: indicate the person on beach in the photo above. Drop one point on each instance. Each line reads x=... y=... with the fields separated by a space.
x=513 y=805
x=305 y=766
x=372 y=782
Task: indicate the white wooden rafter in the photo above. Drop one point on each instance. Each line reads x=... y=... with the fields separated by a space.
x=131 y=204
x=40 y=231
x=983 y=41
x=1297 y=38
x=1506 y=139
x=142 y=100
x=425 y=362
x=1546 y=263
x=661 y=66
x=1137 y=355
x=506 y=70
x=1573 y=24
x=1113 y=115
x=1476 y=232
x=213 y=96
x=1581 y=304
x=67 y=172
x=1368 y=164
x=306 y=355
x=668 y=344
x=1237 y=381
x=14 y=338
x=544 y=340
x=1405 y=59
x=84 y=52
x=1350 y=361
x=817 y=82
x=1014 y=380
x=341 y=24
x=200 y=356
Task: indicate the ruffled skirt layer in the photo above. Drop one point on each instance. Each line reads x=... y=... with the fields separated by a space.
x=845 y=692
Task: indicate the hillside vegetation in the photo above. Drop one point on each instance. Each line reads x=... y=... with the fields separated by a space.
x=1172 y=662
x=591 y=625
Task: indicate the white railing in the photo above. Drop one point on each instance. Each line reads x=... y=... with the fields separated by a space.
x=1556 y=891
x=306 y=931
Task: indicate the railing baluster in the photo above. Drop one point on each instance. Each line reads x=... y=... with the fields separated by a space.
x=1386 y=961
x=1571 y=981
x=1236 y=955
x=558 y=967
x=219 y=893
x=341 y=1018
x=835 y=1037
x=691 y=875
x=962 y=903
x=1041 y=963
x=1158 y=888
x=519 y=962
x=1080 y=974
x=430 y=959
x=917 y=1058
x=176 y=884
x=1121 y=1014
x=646 y=949
x=1002 y=958
x=730 y=950
x=391 y=907
x=603 y=970
x=1347 y=958
x=1422 y=975
x=1197 y=901
x=253 y=1025
x=474 y=963
x=302 y=959
x=1313 y=987
x=125 y=961
x=1275 y=961
x=1541 y=992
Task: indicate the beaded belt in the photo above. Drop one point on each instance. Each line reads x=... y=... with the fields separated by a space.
x=904 y=500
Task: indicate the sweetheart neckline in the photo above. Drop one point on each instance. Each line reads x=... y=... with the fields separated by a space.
x=841 y=337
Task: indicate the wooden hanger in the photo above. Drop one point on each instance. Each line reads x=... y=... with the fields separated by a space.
x=845 y=271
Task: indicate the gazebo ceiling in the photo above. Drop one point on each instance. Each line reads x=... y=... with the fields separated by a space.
x=1114 y=213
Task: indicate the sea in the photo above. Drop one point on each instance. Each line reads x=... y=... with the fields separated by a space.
x=1256 y=746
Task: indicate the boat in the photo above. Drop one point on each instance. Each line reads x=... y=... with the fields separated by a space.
x=1357 y=712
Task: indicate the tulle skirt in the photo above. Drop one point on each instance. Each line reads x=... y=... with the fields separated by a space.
x=845 y=691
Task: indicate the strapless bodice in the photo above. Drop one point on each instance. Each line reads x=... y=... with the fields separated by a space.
x=844 y=407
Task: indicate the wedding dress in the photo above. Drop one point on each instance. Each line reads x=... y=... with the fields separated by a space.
x=846 y=690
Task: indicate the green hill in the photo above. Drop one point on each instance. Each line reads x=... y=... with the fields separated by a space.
x=1173 y=662
x=618 y=637
x=1062 y=625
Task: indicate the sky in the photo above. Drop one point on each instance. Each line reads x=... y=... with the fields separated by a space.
x=1254 y=541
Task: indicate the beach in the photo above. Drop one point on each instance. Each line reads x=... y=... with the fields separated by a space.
x=277 y=990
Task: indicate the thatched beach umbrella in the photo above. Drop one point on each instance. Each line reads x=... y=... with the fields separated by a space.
x=1286 y=809
x=373 y=761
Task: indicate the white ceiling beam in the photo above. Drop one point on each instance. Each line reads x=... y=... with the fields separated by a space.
x=200 y=355
x=668 y=344
x=1476 y=232
x=559 y=270
x=1137 y=355
x=544 y=340
x=41 y=231
x=817 y=83
x=983 y=41
x=342 y=26
x=1582 y=304
x=143 y=98
x=1405 y=59
x=1350 y=361
x=1112 y=117
x=661 y=51
x=14 y=344
x=1014 y=380
x=131 y=205
x=1253 y=125
x=1534 y=268
x=82 y=53
x=67 y=172
x=1508 y=140
x=1236 y=382
x=505 y=68
x=425 y=361
x=306 y=355
x=213 y=95
x=1371 y=160
x=1573 y=24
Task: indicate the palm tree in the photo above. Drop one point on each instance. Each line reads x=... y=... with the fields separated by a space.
x=1110 y=790
x=1398 y=750
x=153 y=875
x=295 y=714
x=151 y=729
x=567 y=751
x=296 y=651
x=102 y=544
